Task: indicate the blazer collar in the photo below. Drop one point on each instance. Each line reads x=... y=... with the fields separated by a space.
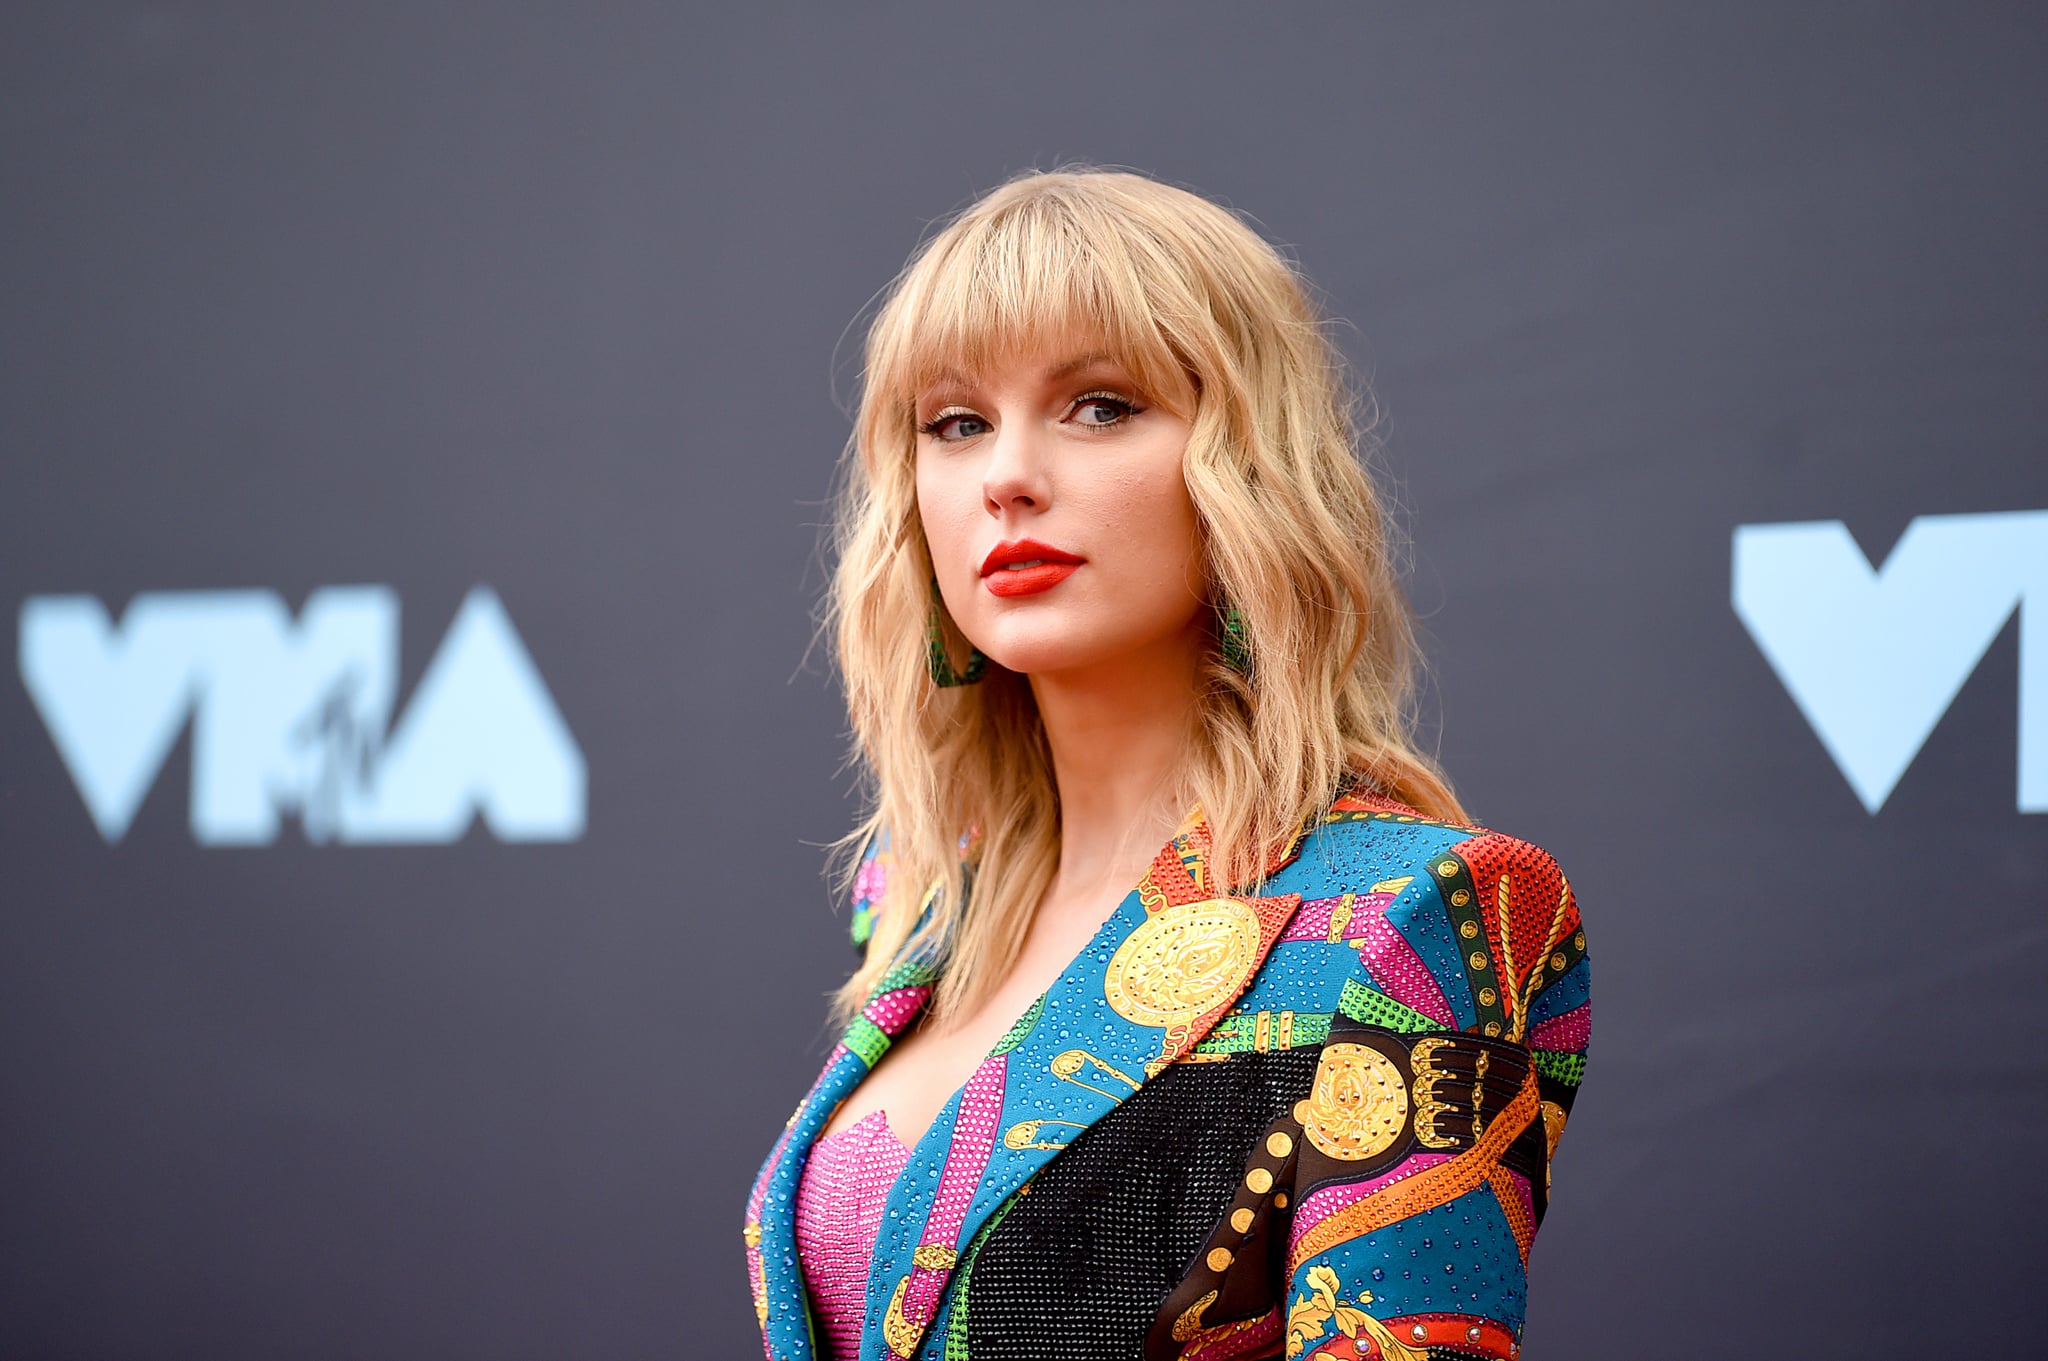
x=1175 y=955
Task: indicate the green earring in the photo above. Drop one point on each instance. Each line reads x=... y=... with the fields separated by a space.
x=1235 y=640
x=936 y=661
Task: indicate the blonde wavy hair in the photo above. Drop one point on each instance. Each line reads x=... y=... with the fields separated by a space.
x=1215 y=324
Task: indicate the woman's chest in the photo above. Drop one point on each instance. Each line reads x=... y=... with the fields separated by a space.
x=932 y=1060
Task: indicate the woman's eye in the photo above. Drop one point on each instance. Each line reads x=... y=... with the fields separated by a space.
x=1103 y=410
x=1097 y=411
x=971 y=426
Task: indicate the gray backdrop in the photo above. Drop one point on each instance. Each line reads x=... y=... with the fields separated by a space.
x=546 y=299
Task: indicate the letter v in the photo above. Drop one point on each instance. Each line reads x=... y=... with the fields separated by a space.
x=113 y=699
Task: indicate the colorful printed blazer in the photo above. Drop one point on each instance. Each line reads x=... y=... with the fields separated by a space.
x=1318 y=1121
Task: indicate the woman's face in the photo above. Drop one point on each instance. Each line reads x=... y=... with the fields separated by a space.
x=1058 y=518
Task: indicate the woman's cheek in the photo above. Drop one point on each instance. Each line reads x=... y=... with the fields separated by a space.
x=948 y=525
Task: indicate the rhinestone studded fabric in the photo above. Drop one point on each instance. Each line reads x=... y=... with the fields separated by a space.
x=839 y=1204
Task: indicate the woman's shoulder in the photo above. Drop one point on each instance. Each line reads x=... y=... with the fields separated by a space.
x=1364 y=839
x=1464 y=926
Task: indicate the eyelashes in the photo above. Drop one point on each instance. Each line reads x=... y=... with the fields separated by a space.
x=1124 y=406
x=944 y=419
x=1129 y=408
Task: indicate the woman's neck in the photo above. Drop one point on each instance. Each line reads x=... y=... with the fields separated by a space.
x=1118 y=734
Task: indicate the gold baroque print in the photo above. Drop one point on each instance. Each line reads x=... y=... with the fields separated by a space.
x=1183 y=960
x=1315 y=1312
x=1358 y=1105
x=1190 y=1321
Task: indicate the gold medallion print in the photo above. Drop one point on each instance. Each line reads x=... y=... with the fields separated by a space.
x=1358 y=1104
x=1183 y=960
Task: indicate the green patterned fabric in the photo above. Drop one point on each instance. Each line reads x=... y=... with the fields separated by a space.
x=1565 y=1068
x=1016 y=1033
x=1373 y=1007
x=866 y=1039
x=907 y=973
x=1238 y=1033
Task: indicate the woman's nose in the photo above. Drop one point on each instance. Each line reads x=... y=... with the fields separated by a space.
x=1017 y=474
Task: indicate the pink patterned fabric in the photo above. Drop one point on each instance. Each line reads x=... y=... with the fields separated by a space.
x=872 y=881
x=839 y=1204
x=1522 y=1187
x=974 y=1135
x=892 y=1010
x=1568 y=1032
x=1400 y=972
x=1313 y=920
x=1320 y=1205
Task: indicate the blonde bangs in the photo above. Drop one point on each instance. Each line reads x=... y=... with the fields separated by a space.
x=1022 y=276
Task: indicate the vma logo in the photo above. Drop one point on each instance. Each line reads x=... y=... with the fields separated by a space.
x=1873 y=656
x=297 y=716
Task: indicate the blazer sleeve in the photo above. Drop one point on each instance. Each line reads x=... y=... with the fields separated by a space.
x=1423 y=1166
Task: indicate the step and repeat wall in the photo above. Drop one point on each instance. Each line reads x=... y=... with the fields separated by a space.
x=415 y=429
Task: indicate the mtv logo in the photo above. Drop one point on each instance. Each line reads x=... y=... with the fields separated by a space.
x=296 y=715
x=1873 y=657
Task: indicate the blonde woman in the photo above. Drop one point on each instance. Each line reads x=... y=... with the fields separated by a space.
x=1197 y=1019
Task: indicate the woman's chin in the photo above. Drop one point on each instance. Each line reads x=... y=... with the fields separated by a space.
x=1048 y=646
x=1041 y=657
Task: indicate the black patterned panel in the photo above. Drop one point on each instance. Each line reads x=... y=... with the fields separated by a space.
x=1079 y=1266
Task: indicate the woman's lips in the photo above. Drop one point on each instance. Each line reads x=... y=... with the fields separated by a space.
x=1021 y=580
x=1026 y=567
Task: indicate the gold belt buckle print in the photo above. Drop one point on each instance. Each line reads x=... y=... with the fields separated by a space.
x=1433 y=1084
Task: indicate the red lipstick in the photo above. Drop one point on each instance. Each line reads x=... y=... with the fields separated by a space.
x=1026 y=567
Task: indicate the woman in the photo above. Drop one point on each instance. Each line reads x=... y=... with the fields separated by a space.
x=1196 y=1019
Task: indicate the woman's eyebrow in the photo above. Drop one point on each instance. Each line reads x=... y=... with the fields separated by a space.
x=1076 y=364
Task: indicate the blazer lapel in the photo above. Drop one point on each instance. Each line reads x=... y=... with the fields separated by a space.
x=781 y=1301
x=1156 y=976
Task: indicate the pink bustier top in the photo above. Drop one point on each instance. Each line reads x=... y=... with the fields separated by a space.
x=839 y=1203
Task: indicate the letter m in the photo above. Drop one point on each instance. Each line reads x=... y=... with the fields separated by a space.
x=1873 y=656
